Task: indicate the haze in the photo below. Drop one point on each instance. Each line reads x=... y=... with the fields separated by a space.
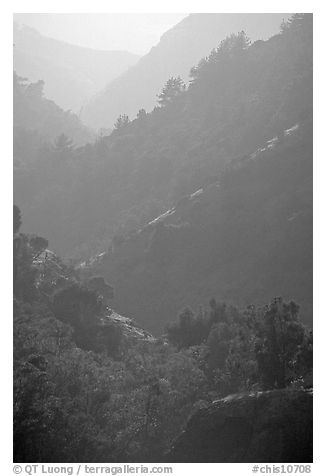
x=132 y=32
x=162 y=252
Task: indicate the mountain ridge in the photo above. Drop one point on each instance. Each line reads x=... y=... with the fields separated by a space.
x=72 y=73
x=172 y=57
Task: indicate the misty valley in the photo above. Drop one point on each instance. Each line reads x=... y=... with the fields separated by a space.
x=162 y=245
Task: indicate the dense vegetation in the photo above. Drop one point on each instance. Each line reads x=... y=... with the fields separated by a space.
x=81 y=396
x=178 y=50
x=244 y=238
x=239 y=97
x=227 y=162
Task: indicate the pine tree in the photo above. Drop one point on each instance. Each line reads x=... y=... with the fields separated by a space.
x=173 y=88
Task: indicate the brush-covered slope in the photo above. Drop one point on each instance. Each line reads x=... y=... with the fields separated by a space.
x=240 y=97
x=72 y=74
x=178 y=50
x=243 y=238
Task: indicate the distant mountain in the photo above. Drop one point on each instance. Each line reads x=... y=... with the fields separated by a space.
x=178 y=50
x=203 y=206
x=72 y=74
x=240 y=97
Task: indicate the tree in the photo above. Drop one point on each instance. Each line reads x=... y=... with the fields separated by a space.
x=76 y=305
x=38 y=244
x=231 y=47
x=122 y=121
x=141 y=114
x=280 y=337
x=189 y=329
x=299 y=22
x=172 y=89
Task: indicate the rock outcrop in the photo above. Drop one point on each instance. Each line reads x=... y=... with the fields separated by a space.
x=272 y=426
x=129 y=330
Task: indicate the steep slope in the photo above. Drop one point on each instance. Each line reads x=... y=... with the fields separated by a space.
x=53 y=277
x=243 y=239
x=240 y=97
x=72 y=74
x=178 y=50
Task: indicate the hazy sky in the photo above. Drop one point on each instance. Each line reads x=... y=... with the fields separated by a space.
x=133 y=32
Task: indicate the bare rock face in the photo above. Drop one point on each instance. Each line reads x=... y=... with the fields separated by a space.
x=273 y=426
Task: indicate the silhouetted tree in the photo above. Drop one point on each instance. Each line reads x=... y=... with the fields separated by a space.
x=141 y=114
x=122 y=121
x=172 y=89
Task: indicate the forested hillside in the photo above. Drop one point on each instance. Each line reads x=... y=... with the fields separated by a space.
x=162 y=274
x=177 y=51
x=240 y=97
x=72 y=74
x=38 y=120
x=244 y=238
x=90 y=386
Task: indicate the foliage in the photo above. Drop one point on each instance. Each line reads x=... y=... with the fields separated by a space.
x=280 y=338
x=240 y=96
x=75 y=304
x=79 y=395
x=122 y=121
x=256 y=347
x=82 y=392
x=38 y=244
x=171 y=90
x=189 y=330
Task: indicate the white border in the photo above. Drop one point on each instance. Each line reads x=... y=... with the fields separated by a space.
x=167 y=6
